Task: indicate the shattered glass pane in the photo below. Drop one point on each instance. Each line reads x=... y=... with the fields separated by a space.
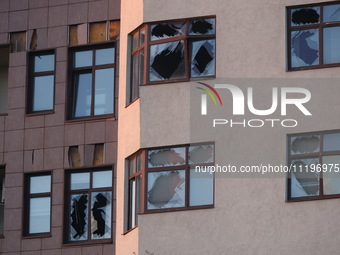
x=203 y=58
x=39 y=216
x=167 y=30
x=331 y=177
x=105 y=56
x=98 y=32
x=305 y=48
x=82 y=94
x=167 y=61
x=40 y=184
x=83 y=58
x=102 y=179
x=166 y=189
x=202 y=27
x=78 y=217
x=331 y=45
x=304 y=144
x=132 y=204
x=132 y=166
x=331 y=142
x=166 y=157
x=103 y=94
x=201 y=154
x=331 y=13
x=80 y=181
x=305 y=16
x=201 y=188
x=101 y=214
x=43 y=93
x=304 y=181
x=44 y=63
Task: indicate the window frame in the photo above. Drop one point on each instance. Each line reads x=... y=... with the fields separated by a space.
x=67 y=204
x=144 y=180
x=30 y=80
x=318 y=155
x=187 y=41
x=27 y=197
x=320 y=26
x=72 y=71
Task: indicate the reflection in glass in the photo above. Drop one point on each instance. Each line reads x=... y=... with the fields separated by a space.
x=78 y=217
x=134 y=77
x=80 y=181
x=139 y=162
x=331 y=45
x=40 y=184
x=203 y=58
x=304 y=181
x=201 y=188
x=331 y=142
x=331 y=177
x=201 y=154
x=83 y=95
x=102 y=179
x=166 y=157
x=135 y=41
x=101 y=214
x=43 y=93
x=105 y=56
x=132 y=166
x=39 y=216
x=331 y=13
x=202 y=27
x=141 y=67
x=132 y=204
x=83 y=58
x=305 y=144
x=141 y=36
x=166 y=189
x=44 y=63
x=138 y=196
x=104 y=84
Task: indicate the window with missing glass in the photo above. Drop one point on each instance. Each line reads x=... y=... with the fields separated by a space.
x=170 y=179
x=41 y=79
x=313 y=36
x=88 y=205
x=314 y=160
x=37 y=204
x=91 y=81
x=172 y=51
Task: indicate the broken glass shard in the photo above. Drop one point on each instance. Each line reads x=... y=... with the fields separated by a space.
x=331 y=45
x=202 y=27
x=101 y=214
x=305 y=144
x=201 y=188
x=166 y=157
x=305 y=16
x=304 y=181
x=166 y=30
x=305 y=48
x=78 y=217
x=167 y=61
x=201 y=154
x=203 y=58
x=166 y=189
x=331 y=13
x=331 y=177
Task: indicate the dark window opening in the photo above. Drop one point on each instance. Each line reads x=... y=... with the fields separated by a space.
x=4 y=64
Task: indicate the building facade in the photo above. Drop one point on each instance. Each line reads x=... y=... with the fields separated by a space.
x=108 y=108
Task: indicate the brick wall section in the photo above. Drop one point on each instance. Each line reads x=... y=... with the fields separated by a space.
x=47 y=136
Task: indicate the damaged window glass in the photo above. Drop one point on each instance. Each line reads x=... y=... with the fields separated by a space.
x=305 y=144
x=166 y=189
x=166 y=30
x=167 y=61
x=78 y=228
x=201 y=154
x=305 y=16
x=166 y=157
x=305 y=181
x=203 y=58
x=202 y=27
x=101 y=215
x=305 y=48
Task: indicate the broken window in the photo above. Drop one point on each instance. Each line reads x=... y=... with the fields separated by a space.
x=314 y=162
x=306 y=28
x=4 y=63
x=37 y=203
x=18 y=41
x=2 y=199
x=40 y=87
x=176 y=51
x=90 y=200
x=166 y=179
x=91 y=87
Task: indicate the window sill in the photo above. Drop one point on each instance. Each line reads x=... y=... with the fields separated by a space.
x=136 y=99
x=102 y=117
x=37 y=236
x=39 y=113
x=304 y=68
x=314 y=198
x=3 y=114
x=130 y=230
x=192 y=79
x=86 y=243
x=178 y=210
